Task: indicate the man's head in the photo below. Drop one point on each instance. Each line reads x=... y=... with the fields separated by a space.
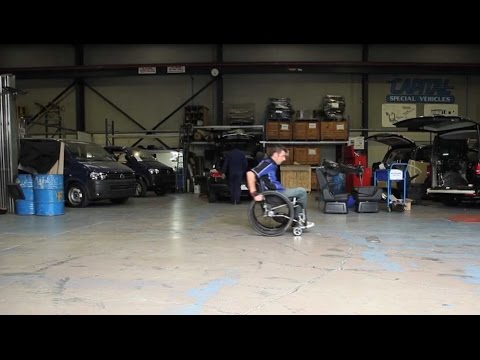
x=278 y=153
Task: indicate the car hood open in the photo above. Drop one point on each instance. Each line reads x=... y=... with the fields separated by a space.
x=436 y=124
x=392 y=140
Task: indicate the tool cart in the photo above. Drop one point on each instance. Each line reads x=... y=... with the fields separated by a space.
x=396 y=172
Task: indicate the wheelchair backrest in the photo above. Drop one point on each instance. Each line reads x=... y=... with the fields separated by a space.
x=261 y=187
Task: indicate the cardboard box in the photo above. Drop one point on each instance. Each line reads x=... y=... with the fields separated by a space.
x=408 y=204
x=418 y=171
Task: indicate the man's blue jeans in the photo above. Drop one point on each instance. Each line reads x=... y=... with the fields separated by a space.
x=301 y=195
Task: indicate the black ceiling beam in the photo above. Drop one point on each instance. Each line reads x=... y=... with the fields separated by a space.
x=359 y=67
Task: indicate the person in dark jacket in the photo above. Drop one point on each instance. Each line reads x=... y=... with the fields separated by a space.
x=235 y=166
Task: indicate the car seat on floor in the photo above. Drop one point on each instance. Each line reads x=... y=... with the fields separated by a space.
x=334 y=203
x=367 y=198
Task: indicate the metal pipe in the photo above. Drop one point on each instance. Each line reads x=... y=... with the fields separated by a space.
x=219 y=93
x=9 y=140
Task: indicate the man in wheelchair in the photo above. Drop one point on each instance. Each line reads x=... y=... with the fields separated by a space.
x=284 y=206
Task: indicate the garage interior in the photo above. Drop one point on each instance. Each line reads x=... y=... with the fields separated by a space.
x=180 y=253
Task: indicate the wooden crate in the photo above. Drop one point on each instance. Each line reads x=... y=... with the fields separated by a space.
x=271 y=130
x=334 y=130
x=306 y=130
x=293 y=176
x=291 y=155
x=284 y=130
x=278 y=130
x=307 y=155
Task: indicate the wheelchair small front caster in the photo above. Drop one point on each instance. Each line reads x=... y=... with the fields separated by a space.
x=297 y=231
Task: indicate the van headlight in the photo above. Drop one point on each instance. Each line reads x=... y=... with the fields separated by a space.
x=98 y=175
x=153 y=171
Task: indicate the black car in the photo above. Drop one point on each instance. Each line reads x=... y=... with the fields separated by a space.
x=150 y=174
x=455 y=157
x=217 y=181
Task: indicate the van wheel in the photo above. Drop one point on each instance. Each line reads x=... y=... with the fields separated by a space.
x=140 y=188
x=76 y=195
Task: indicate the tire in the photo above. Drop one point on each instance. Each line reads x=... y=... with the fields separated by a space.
x=119 y=200
x=274 y=225
x=76 y=195
x=140 y=188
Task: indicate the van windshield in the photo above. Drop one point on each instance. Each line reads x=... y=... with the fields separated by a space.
x=142 y=155
x=88 y=152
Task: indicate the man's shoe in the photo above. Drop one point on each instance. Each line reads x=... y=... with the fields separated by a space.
x=309 y=224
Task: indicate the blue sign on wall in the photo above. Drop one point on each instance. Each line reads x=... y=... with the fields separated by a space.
x=410 y=90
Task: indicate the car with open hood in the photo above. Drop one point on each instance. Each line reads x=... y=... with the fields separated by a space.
x=455 y=164
x=400 y=148
x=404 y=150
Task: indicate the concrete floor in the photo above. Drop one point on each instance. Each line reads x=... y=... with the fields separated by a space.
x=178 y=254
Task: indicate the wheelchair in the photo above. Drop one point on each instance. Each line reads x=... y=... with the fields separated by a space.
x=275 y=214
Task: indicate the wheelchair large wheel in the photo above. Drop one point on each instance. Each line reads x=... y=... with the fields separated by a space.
x=272 y=216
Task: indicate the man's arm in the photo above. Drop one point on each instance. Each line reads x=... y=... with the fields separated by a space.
x=252 y=186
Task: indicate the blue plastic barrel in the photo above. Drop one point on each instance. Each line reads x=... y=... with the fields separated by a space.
x=48 y=194
x=27 y=206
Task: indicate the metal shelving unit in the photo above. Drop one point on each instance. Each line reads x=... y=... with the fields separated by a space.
x=189 y=129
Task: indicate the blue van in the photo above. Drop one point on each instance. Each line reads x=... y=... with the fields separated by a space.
x=90 y=173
